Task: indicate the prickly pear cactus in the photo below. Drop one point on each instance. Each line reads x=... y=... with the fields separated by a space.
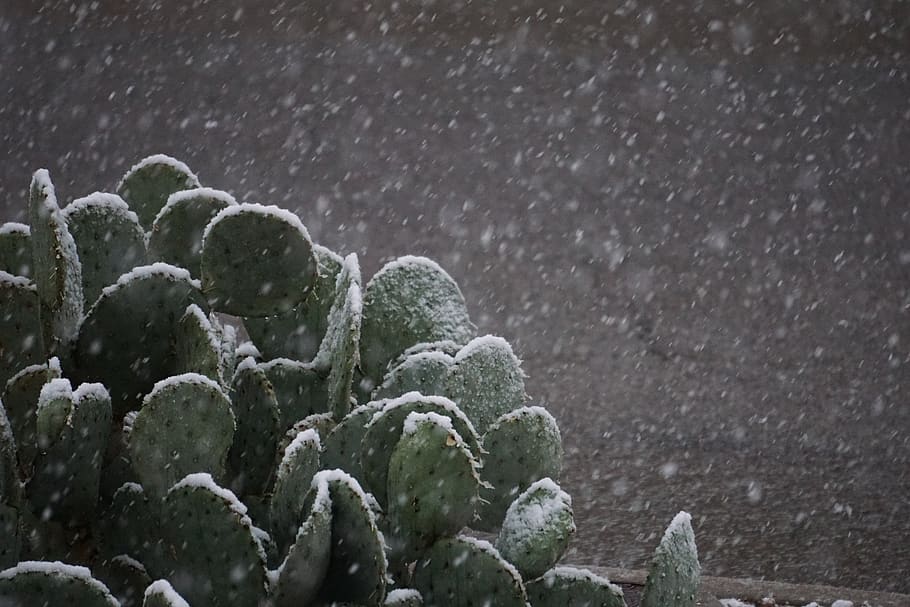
x=339 y=458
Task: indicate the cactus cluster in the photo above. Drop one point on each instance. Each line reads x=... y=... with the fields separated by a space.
x=343 y=456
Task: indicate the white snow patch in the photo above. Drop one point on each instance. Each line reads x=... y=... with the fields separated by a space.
x=204 y=480
x=682 y=519
x=160 y=159
x=156 y=269
x=164 y=588
x=258 y=209
x=411 y=397
x=19 y=281
x=184 y=378
x=413 y=420
x=402 y=594
x=179 y=197
x=93 y=391
x=101 y=201
x=247 y=349
x=13 y=227
x=43 y=178
x=535 y=411
x=574 y=573
x=306 y=439
x=526 y=517
x=491 y=342
x=487 y=547
x=409 y=260
x=54 y=389
x=738 y=603
x=56 y=568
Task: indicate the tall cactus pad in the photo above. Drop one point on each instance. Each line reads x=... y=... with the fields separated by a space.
x=176 y=234
x=126 y=339
x=409 y=301
x=125 y=577
x=423 y=372
x=160 y=593
x=217 y=560
x=251 y=459
x=465 y=572
x=56 y=266
x=537 y=528
x=342 y=341
x=433 y=484
x=298 y=334
x=197 y=347
x=16 y=249
x=674 y=573
x=109 y=240
x=341 y=447
x=522 y=447
x=299 y=388
x=128 y=526
x=384 y=432
x=10 y=494
x=257 y=261
x=10 y=540
x=295 y=475
x=21 y=401
x=185 y=414
x=571 y=587
x=149 y=183
x=20 y=326
x=42 y=584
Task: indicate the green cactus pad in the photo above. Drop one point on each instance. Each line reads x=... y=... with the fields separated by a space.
x=423 y=372
x=160 y=593
x=403 y=597
x=251 y=459
x=16 y=249
x=384 y=431
x=125 y=341
x=298 y=334
x=216 y=559
x=73 y=429
x=299 y=388
x=109 y=240
x=10 y=538
x=197 y=347
x=43 y=584
x=571 y=587
x=20 y=325
x=295 y=474
x=176 y=234
x=226 y=336
x=433 y=486
x=537 y=528
x=357 y=565
x=465 y=572
x=409 y=301
x=125 y=577
x=10 y=494
x=341 y=448
x=257 y=261
x=523 y=446
x=149 y=183
x=674 y=574
x=187 y=415
x=21 y=401
x=128 y=525
x=304 y=569
x=56 y=266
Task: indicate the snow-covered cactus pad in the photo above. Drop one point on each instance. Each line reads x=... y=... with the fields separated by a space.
x=150 y=182
x=160 y=593
x=20 y=325
x=674 y=573
x=571 y=587
x=16 y=249
x=20 y=398
x=197 y=347
x=295 y=475
x=42 y=584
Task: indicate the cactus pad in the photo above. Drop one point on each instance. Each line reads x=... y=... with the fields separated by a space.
x=109 y=240
x=125 y=577
x=160 y=593
x=409 y=301
x=537 y=528
x=128 y=524
x=674 y=574
x=341 y=447
x=197 y=347
x=571 y=587
x=20 y=326
x=295 y=475
x=523 y=446
x=176 y=234
x=42 y=584
x=299 y=388
x=16 y=249
x=465 y=572
x=423 y=372
x=340 y=348
x=21 y=401
x=187 y=415
x=149 y=183
x=257 y=261
x=216 y=559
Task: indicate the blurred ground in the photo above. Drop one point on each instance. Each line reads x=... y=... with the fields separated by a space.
x=691 y=223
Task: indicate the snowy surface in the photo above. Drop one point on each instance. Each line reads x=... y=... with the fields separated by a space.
x=413 y=421
x=164 y=588
x=258 y=209
x=183 y=195
x=20 y=281
x=156 y=269
x=308 y=439
x=204 y=480
x=525 y=517
x=184 y=378
x=101 y=202
x=575 y=573
x=160 y=159
x=93 y=391
x=411 y=397
x=14 y=227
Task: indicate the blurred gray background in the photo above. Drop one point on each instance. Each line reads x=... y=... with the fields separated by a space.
x=690 y=219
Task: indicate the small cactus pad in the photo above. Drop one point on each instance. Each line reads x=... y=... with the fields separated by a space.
x=537 y=528
x=109 y=240
x=674 y=573
x=297 y=334
x=128 y=525
x=125 y=577
x=257 y=261
x=341 y=448
x=16 y=249
x=342 y=341
x=403 y=597
x=149 y=183
x=125 y=340
x=409 y=301
x=216 y=559
x=187 y=415
x=160 y=593
x=299 y=388
x=21 y=401
x=197 y=346
x=67 y=476
x=432 y=484
x=357 y=566
x=20 y=326
x=251 y=459
x=304 y=569
x=384 y=431
x=43 y=584
x=523 y=446
x=176 y=234
x=423 y=372
x=465 y=572
x=295 y=475
x=571 y=587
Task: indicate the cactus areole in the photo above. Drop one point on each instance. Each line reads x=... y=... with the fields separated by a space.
x=341 y=457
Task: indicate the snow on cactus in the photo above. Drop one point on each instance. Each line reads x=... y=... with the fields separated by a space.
x=674 y=573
